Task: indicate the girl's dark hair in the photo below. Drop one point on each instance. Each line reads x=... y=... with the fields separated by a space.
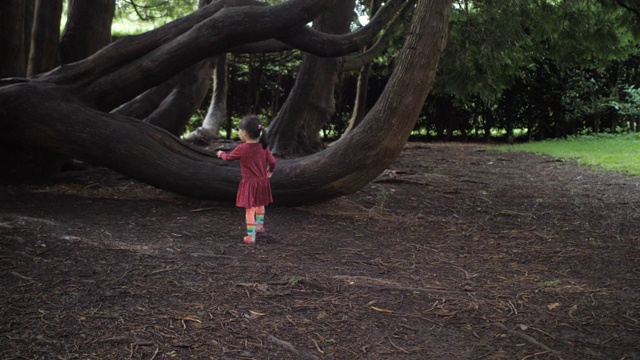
x=252 y=125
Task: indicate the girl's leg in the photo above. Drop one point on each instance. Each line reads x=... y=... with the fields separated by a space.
x=260 y=219
x=250 y=217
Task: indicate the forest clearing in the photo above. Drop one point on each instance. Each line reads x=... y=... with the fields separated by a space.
x=457 y=251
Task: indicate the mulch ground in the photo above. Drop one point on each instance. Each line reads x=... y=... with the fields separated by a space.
x=456 y=252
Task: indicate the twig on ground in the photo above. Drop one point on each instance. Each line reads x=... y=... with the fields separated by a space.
x=396 y=346
x=529 y=339
x=155 y=353
x=203 y=209
x=197 y=254
x=287 y=345
x=379 y=284
x=20 y=276
x=169 y=268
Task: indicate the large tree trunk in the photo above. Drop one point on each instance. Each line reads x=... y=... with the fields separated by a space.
x=296 y=128
x=45 y=37
x=88 y=29
x=20 y=34
x=175 y=110
x=14 y=35
x=171 y=104
x=217 y=111
x=55 y=111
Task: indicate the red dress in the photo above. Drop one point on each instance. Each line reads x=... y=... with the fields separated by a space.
x=254 y=189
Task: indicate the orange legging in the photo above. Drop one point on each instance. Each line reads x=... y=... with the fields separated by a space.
x=250 y=215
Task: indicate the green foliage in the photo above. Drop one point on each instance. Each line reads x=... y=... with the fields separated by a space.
x=260 y=83
x=607 y=151
x=553 y=67
x=134 y=17
x=487 y=48
x=380 y=201
x=492 y=43
x=629 y=104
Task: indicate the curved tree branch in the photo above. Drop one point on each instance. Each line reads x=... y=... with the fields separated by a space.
x=376 y=142
x=356 y=61
x=229 y=26
x=322 y=44
x=52 y=118
x=176 y=109
x=126 y=49
x=171 y=104
x=47 y=115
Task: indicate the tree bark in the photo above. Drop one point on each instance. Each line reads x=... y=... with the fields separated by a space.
x=45 y=37
x=322 y=44
x=217 y=111
x=88 y=29
x=14 y=35
x=355 y=160
x=171 y=104
x=149 y=59
x=360 y=105
x=176 y=109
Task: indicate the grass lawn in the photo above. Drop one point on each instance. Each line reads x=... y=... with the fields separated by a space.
x=611 y=152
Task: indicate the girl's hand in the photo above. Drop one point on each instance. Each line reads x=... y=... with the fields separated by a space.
x=219 y=153
x=269 y=174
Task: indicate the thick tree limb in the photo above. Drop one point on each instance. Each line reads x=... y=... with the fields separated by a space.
x=144 y=104
x=130 y=48
x=49 y=116
x=174 y=112
x=57 y=121
x=168 y=52
x=365 y=152
x=328 y=45
x=356 y=61
x=311 y=102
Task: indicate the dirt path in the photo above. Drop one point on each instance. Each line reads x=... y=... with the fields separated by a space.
x=456 y=252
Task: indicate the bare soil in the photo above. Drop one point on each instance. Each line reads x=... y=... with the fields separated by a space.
x=456 y=252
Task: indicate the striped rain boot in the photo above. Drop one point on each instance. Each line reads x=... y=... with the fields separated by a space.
x=251 y=234
x=260 y=219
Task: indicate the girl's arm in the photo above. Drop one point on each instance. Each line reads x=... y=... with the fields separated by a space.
x=234 y=155
x=271 y=161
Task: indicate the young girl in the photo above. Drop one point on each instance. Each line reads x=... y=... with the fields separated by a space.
x=256 y=165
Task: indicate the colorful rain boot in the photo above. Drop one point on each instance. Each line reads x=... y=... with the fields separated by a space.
x=251 y=234
x=260 y=219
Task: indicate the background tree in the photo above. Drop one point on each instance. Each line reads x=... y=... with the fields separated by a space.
x=88 y=29
x=45 y=35
x=545 y=66
x=16 y=17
